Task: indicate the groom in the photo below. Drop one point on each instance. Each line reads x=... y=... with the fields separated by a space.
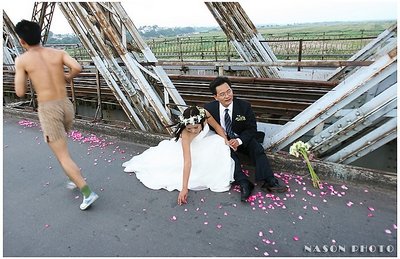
x=237 y=118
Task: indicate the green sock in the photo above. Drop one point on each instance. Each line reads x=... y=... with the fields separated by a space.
x=86 y=191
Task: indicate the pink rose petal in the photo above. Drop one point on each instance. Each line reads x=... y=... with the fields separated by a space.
x=219 y=226
x=387 y=231
x=296 y=238
x=173 y=218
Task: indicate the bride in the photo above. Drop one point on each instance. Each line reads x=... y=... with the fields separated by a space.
x=197 y=159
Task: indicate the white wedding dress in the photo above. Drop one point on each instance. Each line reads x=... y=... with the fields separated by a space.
x=161 y=167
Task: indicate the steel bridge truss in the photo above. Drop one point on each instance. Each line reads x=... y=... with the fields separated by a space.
x=354 y=118
x=11 y=46
x=43 y=15
x=244 y=36
x=117 y=50
x=370 y=52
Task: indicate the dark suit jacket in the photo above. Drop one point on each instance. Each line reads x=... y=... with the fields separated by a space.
x=243 y=118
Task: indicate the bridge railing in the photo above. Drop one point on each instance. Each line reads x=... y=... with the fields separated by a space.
x=220 y=49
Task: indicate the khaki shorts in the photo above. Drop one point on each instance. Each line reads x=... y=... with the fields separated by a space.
x=56 y=118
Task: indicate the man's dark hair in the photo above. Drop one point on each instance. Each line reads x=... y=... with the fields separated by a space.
x=29 y=31
x=217 y=82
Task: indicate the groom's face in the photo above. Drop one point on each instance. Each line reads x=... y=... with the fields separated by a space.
x=224 y=94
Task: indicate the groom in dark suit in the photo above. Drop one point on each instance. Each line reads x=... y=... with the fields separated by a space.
x=237 y=118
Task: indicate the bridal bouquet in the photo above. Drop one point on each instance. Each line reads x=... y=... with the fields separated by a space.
x=301 y=148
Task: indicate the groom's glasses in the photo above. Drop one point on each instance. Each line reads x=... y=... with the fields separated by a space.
x=227 y=92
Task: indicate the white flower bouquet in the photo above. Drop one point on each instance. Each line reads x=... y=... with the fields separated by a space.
x=301 y=148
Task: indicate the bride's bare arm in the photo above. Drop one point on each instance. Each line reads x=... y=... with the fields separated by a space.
x=187 y=164
x=213 y=123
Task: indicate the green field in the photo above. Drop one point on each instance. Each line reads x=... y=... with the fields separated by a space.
x=355 y=29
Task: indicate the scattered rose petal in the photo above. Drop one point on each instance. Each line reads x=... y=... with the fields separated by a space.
x=260 y=234
x=394 y=226
x=314 y=208
x=205 y=223
x=334 y=241
x=370 y=215
x=271 y=231
x=387 y=231
x=300 y=217
x=47 y=225
x=371 y=209
x=219 y=226
x=173 y=218
x=296 y=238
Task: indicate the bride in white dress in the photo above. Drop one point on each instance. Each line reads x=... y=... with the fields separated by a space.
x=196 y=159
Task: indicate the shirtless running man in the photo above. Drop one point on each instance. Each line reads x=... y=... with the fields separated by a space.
x=45 y=68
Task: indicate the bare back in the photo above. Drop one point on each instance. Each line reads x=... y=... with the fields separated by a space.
x=45 y=68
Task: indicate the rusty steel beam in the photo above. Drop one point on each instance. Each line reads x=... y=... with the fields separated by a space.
x=104 y=62
x=43 y=14
x=244 y=36
x=103 y=29
x=11 y=46
x=381 y=75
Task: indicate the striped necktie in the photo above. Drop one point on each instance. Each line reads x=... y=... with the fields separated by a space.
x=228 y=125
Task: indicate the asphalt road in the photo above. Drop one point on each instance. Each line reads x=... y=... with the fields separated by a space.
x=41 y=217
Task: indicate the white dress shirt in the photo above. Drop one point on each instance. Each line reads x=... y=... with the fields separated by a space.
x=222 y=118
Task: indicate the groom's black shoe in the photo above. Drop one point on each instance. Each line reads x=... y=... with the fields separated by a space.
x=246 y=187
x=274 y=186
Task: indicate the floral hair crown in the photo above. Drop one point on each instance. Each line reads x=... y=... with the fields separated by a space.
x=192 y=120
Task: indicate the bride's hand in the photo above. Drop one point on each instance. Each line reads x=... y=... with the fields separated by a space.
x=182 y=197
